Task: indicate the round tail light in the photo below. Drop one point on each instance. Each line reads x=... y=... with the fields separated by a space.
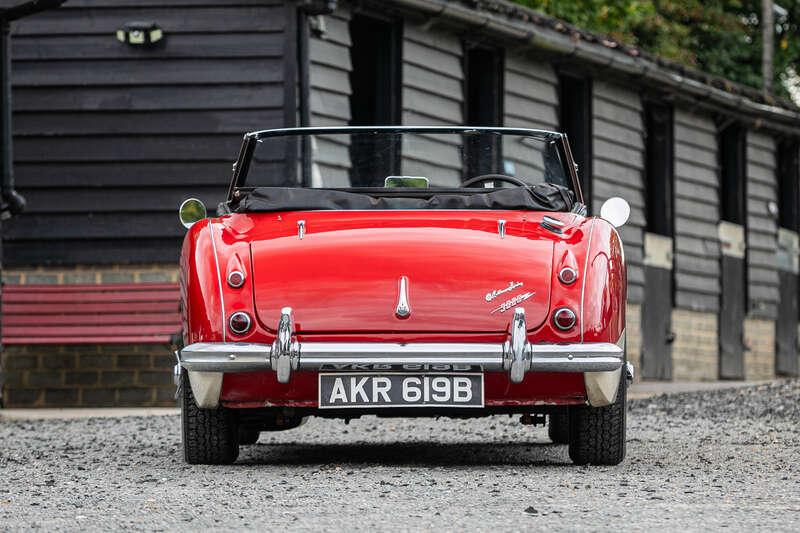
x=239 y=322
x=564 y=318
x=568 y=275
x=236 y=279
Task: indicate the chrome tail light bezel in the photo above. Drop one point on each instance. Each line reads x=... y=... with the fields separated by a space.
x=572 y=315
x=240 y=331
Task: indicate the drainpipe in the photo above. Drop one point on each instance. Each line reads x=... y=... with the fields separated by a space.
x=11 y=202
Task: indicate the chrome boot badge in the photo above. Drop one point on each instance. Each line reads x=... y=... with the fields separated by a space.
x=403 y=310
x=495 y=293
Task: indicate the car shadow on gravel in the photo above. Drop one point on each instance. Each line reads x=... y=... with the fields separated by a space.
x=407 y=454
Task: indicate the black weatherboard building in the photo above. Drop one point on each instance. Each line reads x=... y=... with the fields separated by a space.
x=122 y=109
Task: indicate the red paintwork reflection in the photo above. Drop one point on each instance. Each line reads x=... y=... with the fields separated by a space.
x=261 y=389
x=347 y=279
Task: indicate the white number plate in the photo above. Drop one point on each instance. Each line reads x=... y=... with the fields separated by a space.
x=346 y=391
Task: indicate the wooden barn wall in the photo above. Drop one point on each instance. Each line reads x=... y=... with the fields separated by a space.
x=762 y=270
x=433 y=94
x=531 y=101
x=329 y=72
x=697 y=211
x=109 y=138
x=618 y=168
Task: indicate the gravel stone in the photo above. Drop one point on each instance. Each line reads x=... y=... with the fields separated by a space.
x=699 y=461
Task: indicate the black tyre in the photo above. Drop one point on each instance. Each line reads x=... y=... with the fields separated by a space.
x=558 y=426
x=597 y=434
x=248 y=436
x=210 y=436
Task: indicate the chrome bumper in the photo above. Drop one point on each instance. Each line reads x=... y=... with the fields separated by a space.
x=516 y=355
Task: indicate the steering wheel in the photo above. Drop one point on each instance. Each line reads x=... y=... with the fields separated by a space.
x=494 y=177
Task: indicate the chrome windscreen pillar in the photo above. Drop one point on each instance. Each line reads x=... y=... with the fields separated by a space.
x=285 y=353
x=517 y=352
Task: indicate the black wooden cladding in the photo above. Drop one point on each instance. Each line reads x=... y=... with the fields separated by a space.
x=109 y=138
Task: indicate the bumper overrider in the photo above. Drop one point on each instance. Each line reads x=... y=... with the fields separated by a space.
x=207 y=362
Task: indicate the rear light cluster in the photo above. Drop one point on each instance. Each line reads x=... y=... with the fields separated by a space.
x=564 y=318
x=568 y=275
x=239 y=322
x=236 y=279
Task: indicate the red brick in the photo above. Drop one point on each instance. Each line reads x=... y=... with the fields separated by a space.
x=117 y=378
x=164 y=360
x=133 y=361
x=45 y=378
x=58 y=360
x=20 y=362
x=13 y=378
x=61 y=397
x=98 y=397
x=155 y=378
x=22 y=397
x=95 y=360
x=135 y=396
x=85 y=377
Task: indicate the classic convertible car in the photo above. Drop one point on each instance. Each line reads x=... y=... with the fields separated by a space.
x=403 y=271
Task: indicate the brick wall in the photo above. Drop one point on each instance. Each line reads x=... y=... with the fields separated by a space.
x=695 y=352
x=759 y=357
x=87 y=375
x=633 y=336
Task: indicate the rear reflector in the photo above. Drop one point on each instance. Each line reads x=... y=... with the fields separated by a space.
x=564 y=318
x=239 y=322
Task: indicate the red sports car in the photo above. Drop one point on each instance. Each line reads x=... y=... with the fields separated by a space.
x=403 y=271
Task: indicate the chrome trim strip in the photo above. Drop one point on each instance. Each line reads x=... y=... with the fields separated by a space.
x=585 y=270
x=248 y=357
x=219 y=282
x=516 y=355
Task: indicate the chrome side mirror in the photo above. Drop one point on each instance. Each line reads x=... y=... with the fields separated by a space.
x=191 y=210
x=616 y=211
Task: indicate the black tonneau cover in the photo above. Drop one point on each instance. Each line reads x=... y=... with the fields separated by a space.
x=540 y=197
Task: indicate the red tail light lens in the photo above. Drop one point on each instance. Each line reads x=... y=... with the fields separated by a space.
x=564 y=318
x=239 y=322
x=236 y=279
x=568 y=275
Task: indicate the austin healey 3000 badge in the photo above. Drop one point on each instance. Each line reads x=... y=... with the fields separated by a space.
x=511 y=286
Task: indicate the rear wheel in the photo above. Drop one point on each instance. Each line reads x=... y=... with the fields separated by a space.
x=558 y=426
x=597 y=434
x=210 y=436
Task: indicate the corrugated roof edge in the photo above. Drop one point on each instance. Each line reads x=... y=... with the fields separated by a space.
x=522 y=24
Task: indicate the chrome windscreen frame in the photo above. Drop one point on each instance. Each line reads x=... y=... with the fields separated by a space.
x=242 y=165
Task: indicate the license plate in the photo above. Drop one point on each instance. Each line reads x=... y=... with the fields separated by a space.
x=347 y=391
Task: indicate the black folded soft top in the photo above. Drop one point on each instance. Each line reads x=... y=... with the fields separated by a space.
x=540 y=197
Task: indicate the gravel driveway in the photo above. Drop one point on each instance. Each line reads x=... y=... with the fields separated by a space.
x=723 y=459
